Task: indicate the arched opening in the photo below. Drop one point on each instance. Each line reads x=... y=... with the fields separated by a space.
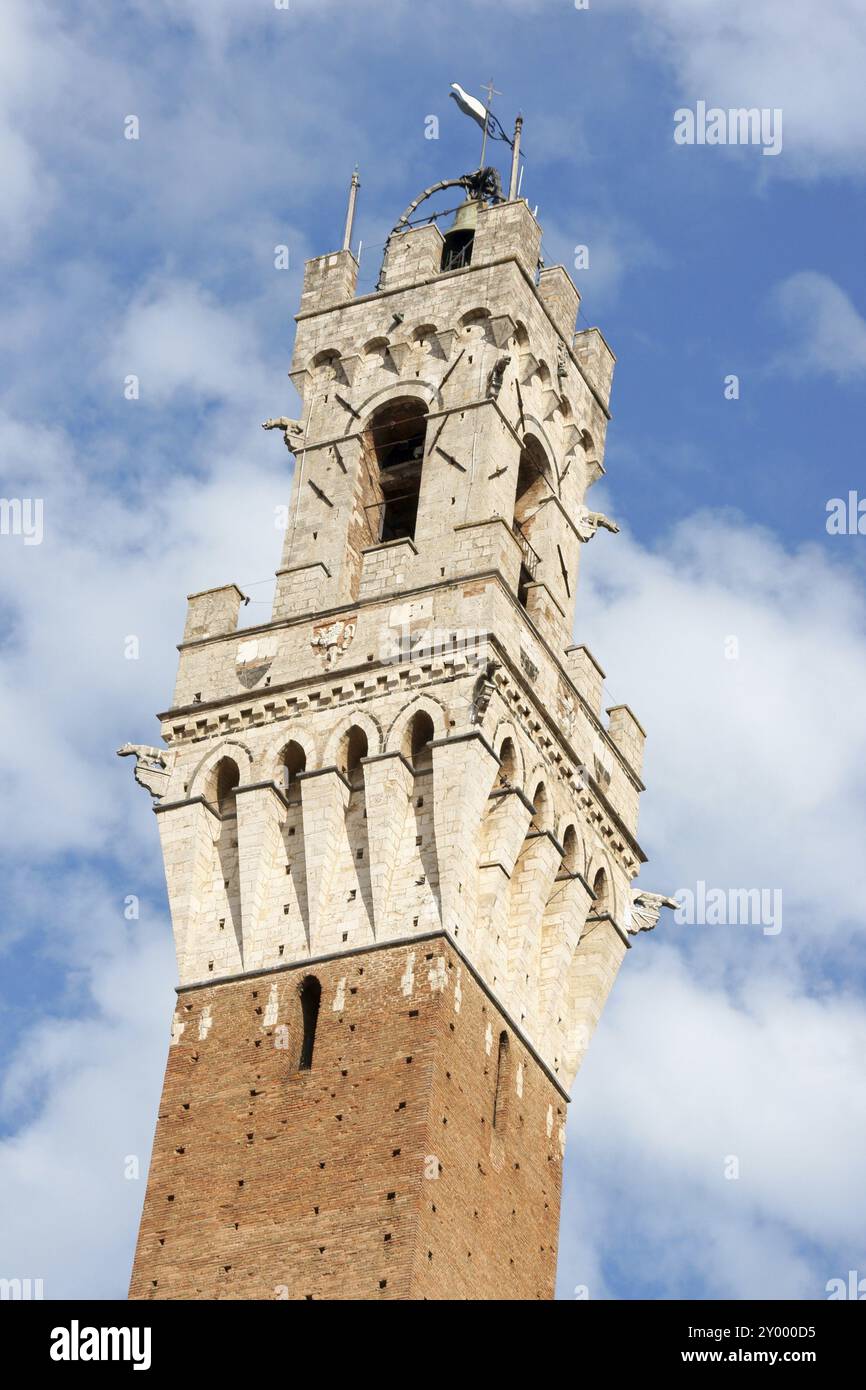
x=224 y=782
x=293 y=761
x=419 y=736
x=424 y=335
x=503 y=1072
x=457 y=251
x=507 y=764
x=325 y=366
x=541 y=803
x=601 y=893
x=394 y=449
x=570 y=844
x=353 y=747
x=311 y=997
x=532 y=488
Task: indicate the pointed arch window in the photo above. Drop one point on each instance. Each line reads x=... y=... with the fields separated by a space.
x=353 y=748
x=507 y=764
x=293 y=761
x=570 y=845
x=222 y=786
x=418 y=738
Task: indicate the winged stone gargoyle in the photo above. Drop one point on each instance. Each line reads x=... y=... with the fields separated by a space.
x=645 y=910
x=152 y=766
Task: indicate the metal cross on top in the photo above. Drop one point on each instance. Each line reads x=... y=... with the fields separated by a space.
x=491 y=93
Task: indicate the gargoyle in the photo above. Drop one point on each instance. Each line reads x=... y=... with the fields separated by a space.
x=494 y=380
x=152 y=766
x=293 y=430
x=483 y=691
x=589 y=522
x=645 y=910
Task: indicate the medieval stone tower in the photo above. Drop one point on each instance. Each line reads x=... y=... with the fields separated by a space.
x=398 y=827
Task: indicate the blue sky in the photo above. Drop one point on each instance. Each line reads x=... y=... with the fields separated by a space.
x=155 y=257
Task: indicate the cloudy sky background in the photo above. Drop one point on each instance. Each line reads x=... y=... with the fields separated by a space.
x=156 y=257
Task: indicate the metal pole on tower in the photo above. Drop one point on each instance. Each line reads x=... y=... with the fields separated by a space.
x=515 y=159
x=350 y=211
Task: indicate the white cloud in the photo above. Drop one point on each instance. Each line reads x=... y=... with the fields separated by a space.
x=719 y=1041
x=826 y=333
x=111 y=566
x=683 y=1077
x=27 y=56
x=80 y=1096
x=756 y=766
x=175 y=337
x=808 y=62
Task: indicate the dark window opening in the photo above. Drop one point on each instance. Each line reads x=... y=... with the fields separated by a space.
x=532 y=489
x=311 y=996
x=292 y=763
x=353 y=747
x=417 y=745
x=396 y=440
x=225 y=787
x=457 y=251
x=399 y=515
x=523 y=584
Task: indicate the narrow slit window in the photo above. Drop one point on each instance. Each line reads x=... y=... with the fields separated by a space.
x=311 y=996
x=500 y=1099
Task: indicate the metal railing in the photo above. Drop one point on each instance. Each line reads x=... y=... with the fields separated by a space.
x=531 y=558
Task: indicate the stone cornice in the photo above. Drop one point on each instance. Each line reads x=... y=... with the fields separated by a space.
x=349 y=673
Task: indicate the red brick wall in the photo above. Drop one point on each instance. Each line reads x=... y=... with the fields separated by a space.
x=376 y=1174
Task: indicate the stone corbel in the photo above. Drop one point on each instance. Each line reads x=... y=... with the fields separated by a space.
x=571 y=434
x=300 y=380
x=398 y=352
x=502 y=328
x=527 y=368
x=445 y=341
x=349 y=367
